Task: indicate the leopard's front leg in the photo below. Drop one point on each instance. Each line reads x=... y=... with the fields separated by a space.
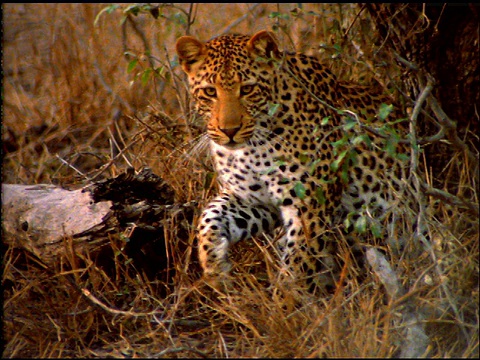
x=226 y=220
x=309 y=251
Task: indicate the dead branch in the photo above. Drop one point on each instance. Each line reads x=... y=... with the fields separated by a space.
x=38 y=218
x=451 y=129
x=451 y=199
x=415 y=341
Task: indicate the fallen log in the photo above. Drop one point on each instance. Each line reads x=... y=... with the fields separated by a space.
x=40 y=218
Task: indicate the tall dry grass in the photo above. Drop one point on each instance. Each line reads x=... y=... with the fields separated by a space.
x=68 y=97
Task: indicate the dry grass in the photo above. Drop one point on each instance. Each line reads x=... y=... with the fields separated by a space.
x=67 y=93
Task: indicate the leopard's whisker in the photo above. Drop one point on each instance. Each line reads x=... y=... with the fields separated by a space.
x=193 y=149
x=262 y=134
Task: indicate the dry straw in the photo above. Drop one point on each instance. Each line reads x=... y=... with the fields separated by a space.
x=76 y=111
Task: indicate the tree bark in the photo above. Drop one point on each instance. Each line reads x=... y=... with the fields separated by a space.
x=442 y=42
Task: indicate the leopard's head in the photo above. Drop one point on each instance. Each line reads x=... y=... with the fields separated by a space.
x=232 y=81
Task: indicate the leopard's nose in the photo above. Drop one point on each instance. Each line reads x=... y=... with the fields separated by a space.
x=230 y=132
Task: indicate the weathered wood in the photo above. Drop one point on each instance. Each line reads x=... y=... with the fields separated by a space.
x=50 y=221
x=39 y=217
x=415 y=341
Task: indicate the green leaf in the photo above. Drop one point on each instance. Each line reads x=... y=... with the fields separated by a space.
x=325 y=120
x=296 y=12
x=384 y=111
x=328 y=181
x=134 y=9
x=269 y=171
x=313 y=166
x=276 y=14
x=403 y=157
x=108 y=9
x=146 y=76
x=361 y=224
x=124 y=238
x=160 y=71
x=320 y=196
x=364 y=138
x=304 y=158
x=280 y=161
x=391 y=144
x=179 y=18
x=350 y=124
x=299 y=189
x=344 y=175
x=338 y=48
x=340 y=142
x=376 y=231
x=131 y=65
x=352 y=157
x=208 y=180
x=336 y=164
x=272 y=109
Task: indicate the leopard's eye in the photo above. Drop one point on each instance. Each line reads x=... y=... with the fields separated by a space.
x=210 y=91
x=246 y=89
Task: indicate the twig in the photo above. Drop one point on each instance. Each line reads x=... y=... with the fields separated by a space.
x=451 y=199
x=429 y=248
x=113 y=311
x=108 y=164
x=405 y=62
x=176 y=87
x=419 y=195
x=142 y=36
x=414 y=178
x=116 y=147
x=229 y=27
x=57 y=327
x=354 y=20
x=191 y=15
x=415 y=342
x=72 y=167
x=153 y=314
x=109 y=89
x=451 y=128
x=447 y=126
x=387 y=276
x=180 y=349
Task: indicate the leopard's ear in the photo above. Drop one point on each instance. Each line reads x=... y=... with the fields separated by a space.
x=190 y=52
x=264 y=44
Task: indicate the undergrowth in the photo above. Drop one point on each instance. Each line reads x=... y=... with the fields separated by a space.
x=87 y=95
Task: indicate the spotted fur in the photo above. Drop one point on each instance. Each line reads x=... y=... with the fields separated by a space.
x=284 y=154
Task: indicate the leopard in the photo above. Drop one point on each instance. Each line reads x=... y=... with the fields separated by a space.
x=295 y=150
